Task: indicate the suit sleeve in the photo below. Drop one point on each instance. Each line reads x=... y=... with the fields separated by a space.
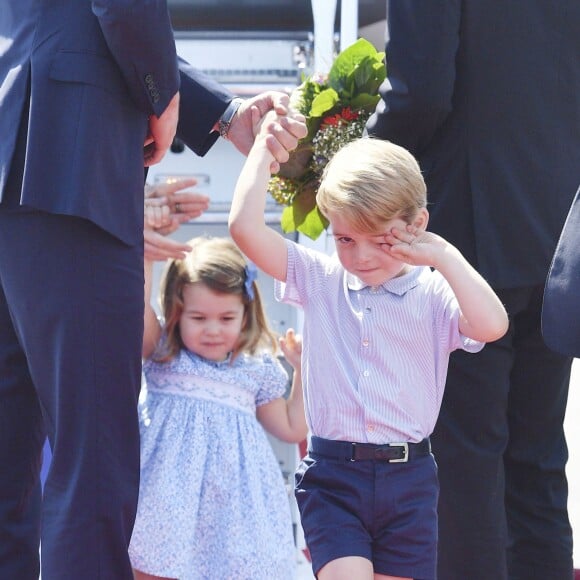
x=140 y=38
x=202 y=102
x=421 y=52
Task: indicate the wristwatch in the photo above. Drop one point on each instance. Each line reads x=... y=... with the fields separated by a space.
x=228 y=115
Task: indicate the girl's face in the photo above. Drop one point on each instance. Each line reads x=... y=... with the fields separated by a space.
x=211 y=323
x=363 y=254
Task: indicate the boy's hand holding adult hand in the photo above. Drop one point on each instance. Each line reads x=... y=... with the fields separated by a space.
x=264 y=127
x=286 y=131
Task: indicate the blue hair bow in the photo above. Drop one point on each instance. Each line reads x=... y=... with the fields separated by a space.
x=251 y=275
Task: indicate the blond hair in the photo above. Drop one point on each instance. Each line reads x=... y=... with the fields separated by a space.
x=371 y=181
x=218 y=264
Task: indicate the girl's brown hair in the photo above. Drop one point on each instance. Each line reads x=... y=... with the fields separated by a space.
x=219 y=264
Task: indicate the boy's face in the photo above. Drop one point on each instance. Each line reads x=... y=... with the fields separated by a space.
x=363 y=254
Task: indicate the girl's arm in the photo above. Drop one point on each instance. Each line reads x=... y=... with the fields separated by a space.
x=260 y=243
x=152 y=331
x=284 y=418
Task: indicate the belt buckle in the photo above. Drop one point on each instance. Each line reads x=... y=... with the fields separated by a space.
x=405 y=457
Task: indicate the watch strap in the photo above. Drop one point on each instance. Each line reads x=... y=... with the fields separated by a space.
x=227 y=117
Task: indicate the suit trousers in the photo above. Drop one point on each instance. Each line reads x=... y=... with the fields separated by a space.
x=71 y=325
x=501 y=451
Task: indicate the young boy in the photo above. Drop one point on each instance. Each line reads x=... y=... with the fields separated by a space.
x=379 y=327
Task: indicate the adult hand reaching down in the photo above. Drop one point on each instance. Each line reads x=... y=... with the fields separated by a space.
x=166 y=208
x=158 y=248
x=167 y=205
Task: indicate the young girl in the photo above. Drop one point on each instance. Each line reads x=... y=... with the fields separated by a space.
x=212 y=501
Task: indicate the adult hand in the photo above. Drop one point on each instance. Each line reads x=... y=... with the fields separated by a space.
x=161 y=133
x=167 y=207
x=287 y=131
x=160 y=248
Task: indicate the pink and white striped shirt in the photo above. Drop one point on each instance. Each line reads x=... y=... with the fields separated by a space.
x=374 y=359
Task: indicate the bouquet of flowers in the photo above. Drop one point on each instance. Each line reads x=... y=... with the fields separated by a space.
x=336 y=107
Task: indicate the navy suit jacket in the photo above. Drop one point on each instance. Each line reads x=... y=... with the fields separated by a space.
x=561 y=309
x=486 y=95
x=83 y=79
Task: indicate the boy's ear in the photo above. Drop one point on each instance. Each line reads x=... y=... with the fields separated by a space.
x=421 y=219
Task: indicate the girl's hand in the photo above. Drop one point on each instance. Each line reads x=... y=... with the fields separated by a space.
x=291 y=347
x=415 y=246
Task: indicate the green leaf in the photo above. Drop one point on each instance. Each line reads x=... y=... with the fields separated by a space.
x=303 y=215
x=287 y=220
x=323 y=103
x=365 y=101
x=314 y=224
x=304 y=202
x=349 y=59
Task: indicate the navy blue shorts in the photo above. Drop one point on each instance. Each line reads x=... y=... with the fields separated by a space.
x=382 y=511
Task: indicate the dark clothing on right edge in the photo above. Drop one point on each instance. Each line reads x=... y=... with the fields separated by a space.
x=561 y=308
x=486 y=95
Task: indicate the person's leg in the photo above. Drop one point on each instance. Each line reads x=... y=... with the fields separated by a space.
x=78 y=295
x=21 y=438
x=21 y=425
x=349 y=568
x=540 y=536
x=469 y=442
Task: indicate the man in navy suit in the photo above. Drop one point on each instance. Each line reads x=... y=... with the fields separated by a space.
x=83 y=85
x=485 y=94
x=88 y=96
x=561 y=308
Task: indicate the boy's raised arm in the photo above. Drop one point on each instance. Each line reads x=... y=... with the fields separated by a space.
x=260 y=243
x=483 y=316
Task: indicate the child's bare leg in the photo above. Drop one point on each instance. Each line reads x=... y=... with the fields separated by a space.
x=138 y=575
x=352 y=567
x=346 y=569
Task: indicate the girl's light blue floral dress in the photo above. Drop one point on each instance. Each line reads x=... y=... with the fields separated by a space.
x=212 y=500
